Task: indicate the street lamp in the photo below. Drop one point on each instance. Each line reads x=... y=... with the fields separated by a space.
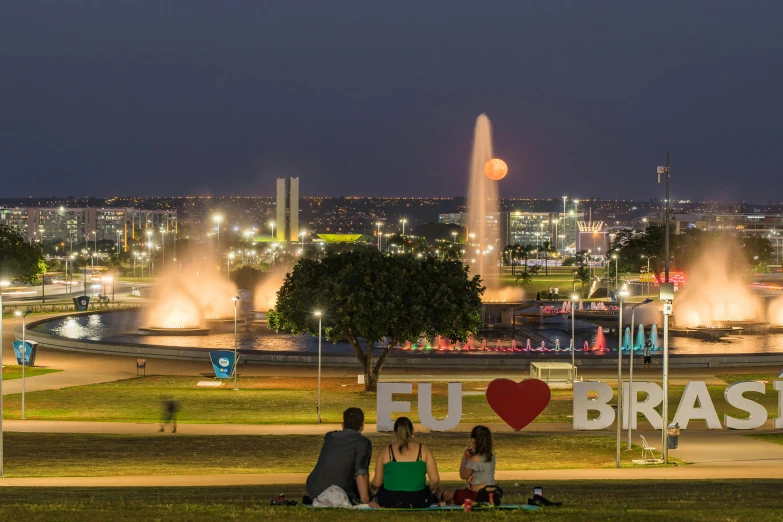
x=229 y=257
x=272 y=226
x=162 y=250
x=616 y=277
x=574 y=299
x=24 y=350
x=403 y=221
x=318 y=406
x=302 y=235
x=378 y=224
x=217 y=218
x=622 y=295
x=3 y=284
x=631 y=395
x=236 y=362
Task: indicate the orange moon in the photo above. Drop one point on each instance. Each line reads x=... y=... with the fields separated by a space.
x=496 y=169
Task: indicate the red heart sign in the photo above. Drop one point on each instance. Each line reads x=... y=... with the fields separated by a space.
x=518 y=403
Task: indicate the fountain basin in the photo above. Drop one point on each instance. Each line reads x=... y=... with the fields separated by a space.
x=186 y=330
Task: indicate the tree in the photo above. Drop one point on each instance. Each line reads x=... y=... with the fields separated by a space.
x=19 y=260
x=366 y=297
x=582 y=275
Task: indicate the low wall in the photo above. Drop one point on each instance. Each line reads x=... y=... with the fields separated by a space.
x=397 y=360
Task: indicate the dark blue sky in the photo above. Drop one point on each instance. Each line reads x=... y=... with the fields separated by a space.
x=379 y=98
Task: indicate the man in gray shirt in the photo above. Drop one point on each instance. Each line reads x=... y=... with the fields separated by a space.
x=344 y=460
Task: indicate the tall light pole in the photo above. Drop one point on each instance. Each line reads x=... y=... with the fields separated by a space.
x=667 y=296
x=3 y=284
x=631 y=394
x=616 y=277
x=162 y=249
x=378 y=224
x=622 y=296
x=272 y=226
x=236 y=362
x=302 y=235
x=574 y=300
x=24 y=351
x=318 y=406
x=403 y=221
x=577 y=242
x=666 y=171
x=217 y=218
x=229 y=257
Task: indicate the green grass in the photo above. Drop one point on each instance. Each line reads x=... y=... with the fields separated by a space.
x=15 y=372
x=628 y=501
x=72 y=455
x=270 y=400
x=740 y=377
x=774 y=438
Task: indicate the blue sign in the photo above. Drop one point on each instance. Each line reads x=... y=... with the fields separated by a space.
x=29 y=352
x=81 y=303
x=223 y=363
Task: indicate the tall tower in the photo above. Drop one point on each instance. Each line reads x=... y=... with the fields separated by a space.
x=287 y=226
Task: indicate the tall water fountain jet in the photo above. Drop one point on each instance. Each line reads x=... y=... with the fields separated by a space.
x=484 y=246
x=716 y=292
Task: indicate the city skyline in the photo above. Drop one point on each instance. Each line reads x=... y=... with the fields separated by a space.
x=203 y=99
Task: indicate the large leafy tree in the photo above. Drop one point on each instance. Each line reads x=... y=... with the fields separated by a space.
x=19 y=260
x=366 y=297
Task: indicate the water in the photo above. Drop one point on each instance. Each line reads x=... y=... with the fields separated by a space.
x=122 y=327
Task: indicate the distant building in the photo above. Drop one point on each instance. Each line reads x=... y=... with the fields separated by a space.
x=287 y=226
x=73 y=226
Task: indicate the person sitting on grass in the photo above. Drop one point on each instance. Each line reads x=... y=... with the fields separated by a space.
x=344 y=461
x=477 y=468
x=402 y=469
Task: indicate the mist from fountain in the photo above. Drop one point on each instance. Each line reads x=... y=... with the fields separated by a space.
x=483 y=206
x=640 y=338
x=188 y=296
x=600 y=339
x=716 y=291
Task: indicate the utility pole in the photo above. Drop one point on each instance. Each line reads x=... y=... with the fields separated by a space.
x=666 y=171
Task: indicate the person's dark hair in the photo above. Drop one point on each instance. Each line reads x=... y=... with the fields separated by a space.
x=353 y=418
x=483 y=438
x=403 y=429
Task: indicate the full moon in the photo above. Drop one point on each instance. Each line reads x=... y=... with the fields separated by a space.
x=495 y=169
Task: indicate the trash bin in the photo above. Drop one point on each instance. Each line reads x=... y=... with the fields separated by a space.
x=673 y=435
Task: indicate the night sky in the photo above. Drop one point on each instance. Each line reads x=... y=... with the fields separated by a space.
x=375 y=98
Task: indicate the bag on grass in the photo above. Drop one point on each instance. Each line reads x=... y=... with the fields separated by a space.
x=490 y=495
x=333 y=496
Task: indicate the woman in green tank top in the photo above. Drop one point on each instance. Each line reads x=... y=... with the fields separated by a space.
x=402 y=469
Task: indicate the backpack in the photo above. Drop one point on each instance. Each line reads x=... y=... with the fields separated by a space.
x=490 y=495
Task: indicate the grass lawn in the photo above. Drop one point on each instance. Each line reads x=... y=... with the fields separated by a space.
x=775 y=438
x=71 y=455
x=629 y=501
x=270 y=400
x=15 y=372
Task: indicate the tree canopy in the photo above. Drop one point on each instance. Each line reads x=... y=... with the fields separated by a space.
x=19 y=260
x=366 y=296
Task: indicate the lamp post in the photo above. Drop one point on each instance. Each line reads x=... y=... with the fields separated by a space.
x=623 y=294
x=616 y=272
x=217 y=218
x=24 y=351
x=574 y=299
x=378 y=224
x=236 y=362
x=162 y=250
x=272 y=226
x=403 y=221
x=302 y=235
x=631 y=394
x=3 y=284
x=666 y=171
x=318 y=406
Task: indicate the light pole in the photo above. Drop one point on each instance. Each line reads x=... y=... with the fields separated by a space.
x=574 y=299
x=403 y=221
x=616 y=277
x=162 y=249
x=631 y=394
x=648 y=272
x=666 y=171
x=302 y=235
x=236 y=362
x=667 y=296
x=577 y=242
x=217 y=218
x=24 y=351
x=272 y=226
x=3 y=284
x=622 y=295
x=318 y=406
x=378 y=224
x=149 y=252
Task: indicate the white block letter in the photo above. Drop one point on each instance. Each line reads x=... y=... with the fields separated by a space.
x=758 y=413
x=583 y=404
x=384 y=406
x=454 y=414
x=646 y=407
x=779 y=419
x=687 y=410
